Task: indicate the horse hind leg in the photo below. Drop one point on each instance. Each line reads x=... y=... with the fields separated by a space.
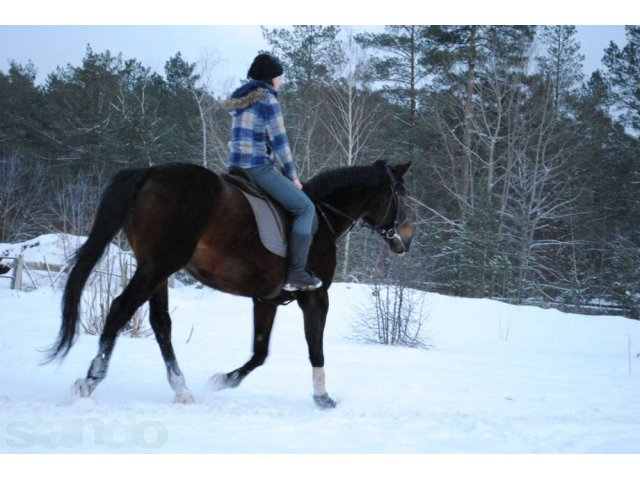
x=263 y=317
x=122 y=309
x=161 y=323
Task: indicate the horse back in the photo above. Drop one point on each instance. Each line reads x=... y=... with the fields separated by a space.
x=188 y=214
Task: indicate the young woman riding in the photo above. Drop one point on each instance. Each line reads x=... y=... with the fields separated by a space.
x=259 y=145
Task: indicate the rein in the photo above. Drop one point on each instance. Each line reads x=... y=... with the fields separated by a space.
x=388 y=233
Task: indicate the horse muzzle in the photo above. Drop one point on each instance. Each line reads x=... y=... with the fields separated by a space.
x=399 y=240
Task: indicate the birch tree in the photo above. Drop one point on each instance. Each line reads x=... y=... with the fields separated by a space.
x=352 y=119
x=457 y=53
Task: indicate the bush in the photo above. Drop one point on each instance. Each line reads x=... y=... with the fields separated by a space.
x=393 y=316
x=111 y=276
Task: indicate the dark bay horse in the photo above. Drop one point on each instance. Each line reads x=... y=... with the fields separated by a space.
x=182 y=216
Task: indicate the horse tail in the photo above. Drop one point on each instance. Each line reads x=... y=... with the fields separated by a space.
x=112 y=211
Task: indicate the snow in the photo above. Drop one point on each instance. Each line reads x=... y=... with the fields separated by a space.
x=498 y=379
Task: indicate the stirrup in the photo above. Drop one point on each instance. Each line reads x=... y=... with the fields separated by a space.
x=301 y=287
x=302 y=284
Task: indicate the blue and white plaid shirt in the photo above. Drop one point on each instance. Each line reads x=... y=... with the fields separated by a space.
x=258 y=136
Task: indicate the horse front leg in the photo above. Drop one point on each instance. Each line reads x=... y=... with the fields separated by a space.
x=315 y=306
x=263 y=317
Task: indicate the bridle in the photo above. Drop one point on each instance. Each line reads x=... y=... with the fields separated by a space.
x=387 y=233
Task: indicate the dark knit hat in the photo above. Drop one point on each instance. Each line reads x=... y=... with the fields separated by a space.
x=265 y=67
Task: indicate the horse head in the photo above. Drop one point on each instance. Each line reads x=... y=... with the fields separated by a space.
x=386 y=211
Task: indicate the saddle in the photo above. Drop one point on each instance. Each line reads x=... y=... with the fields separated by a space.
x=271 y=219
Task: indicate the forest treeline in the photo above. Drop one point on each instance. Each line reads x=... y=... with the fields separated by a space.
x=525 y=182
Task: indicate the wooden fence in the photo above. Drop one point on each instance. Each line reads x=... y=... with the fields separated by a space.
x=15 y=274
x=20 y=268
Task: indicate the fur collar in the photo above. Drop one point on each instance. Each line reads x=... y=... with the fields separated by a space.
x=243 y=102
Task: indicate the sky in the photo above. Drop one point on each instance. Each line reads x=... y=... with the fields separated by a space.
x=231 y=48
x=52 y=34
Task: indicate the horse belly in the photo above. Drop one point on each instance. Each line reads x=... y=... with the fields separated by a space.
x=229 y=255
x=237 y=271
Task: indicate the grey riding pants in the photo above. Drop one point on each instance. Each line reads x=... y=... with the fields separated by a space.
x=283 y=191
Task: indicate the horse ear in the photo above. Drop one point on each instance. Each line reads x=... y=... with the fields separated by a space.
x=380 y=163
x=401 y=169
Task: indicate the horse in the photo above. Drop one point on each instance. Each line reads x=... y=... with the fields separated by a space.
x=183 y=216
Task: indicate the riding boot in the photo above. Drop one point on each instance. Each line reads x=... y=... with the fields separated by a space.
x=298 y=278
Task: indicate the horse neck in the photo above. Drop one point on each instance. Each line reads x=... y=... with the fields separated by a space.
x=352 y=207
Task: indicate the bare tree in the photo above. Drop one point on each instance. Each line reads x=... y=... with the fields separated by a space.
x=352 y=118
x=74 y=204
x=21 y=198
x=137 y=106
x=541 y=197
x=113 y=274
x=218 y=125
x=202 y=95
x=524 y=162
x=515 y=215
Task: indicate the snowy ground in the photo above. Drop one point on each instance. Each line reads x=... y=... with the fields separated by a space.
x=499 y=379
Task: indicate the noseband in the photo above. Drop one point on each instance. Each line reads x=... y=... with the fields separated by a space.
x=387 y=233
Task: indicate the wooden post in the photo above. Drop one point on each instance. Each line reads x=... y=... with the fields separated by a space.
x=17 y=275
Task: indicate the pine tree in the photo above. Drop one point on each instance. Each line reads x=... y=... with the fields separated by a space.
x=22 y=120
x=623 y=75
x=399 y=63
x=562 y=63
x=311 y=56
x=458 y=55
x=180 y=111
x=79 y=101
x=310 y=53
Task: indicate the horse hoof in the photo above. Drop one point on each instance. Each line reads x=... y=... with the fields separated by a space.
x=185 y=398
x=218 y=382
x=81 y=388
x=324 y=402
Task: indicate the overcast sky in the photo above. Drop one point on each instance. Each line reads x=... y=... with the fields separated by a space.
x=52 y=34
x=231 y=47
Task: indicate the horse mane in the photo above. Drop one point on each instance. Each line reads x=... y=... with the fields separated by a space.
x=355 y=178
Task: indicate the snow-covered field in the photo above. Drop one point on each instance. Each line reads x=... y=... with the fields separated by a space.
x=499 y=379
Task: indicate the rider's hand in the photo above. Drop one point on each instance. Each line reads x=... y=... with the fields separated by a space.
x=298 y=183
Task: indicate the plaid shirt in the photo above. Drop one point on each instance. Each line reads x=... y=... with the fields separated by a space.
x=258 y=136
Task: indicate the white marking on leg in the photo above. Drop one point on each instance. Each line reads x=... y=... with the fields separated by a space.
x=98 y=368
x=97 y=371
x=177 y=382
x=218 y=381
x=319 y=387
x=81 y=389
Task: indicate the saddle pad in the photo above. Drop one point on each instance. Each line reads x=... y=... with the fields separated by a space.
x=270 y=224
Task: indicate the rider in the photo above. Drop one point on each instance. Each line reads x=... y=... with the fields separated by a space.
x=259 y=145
